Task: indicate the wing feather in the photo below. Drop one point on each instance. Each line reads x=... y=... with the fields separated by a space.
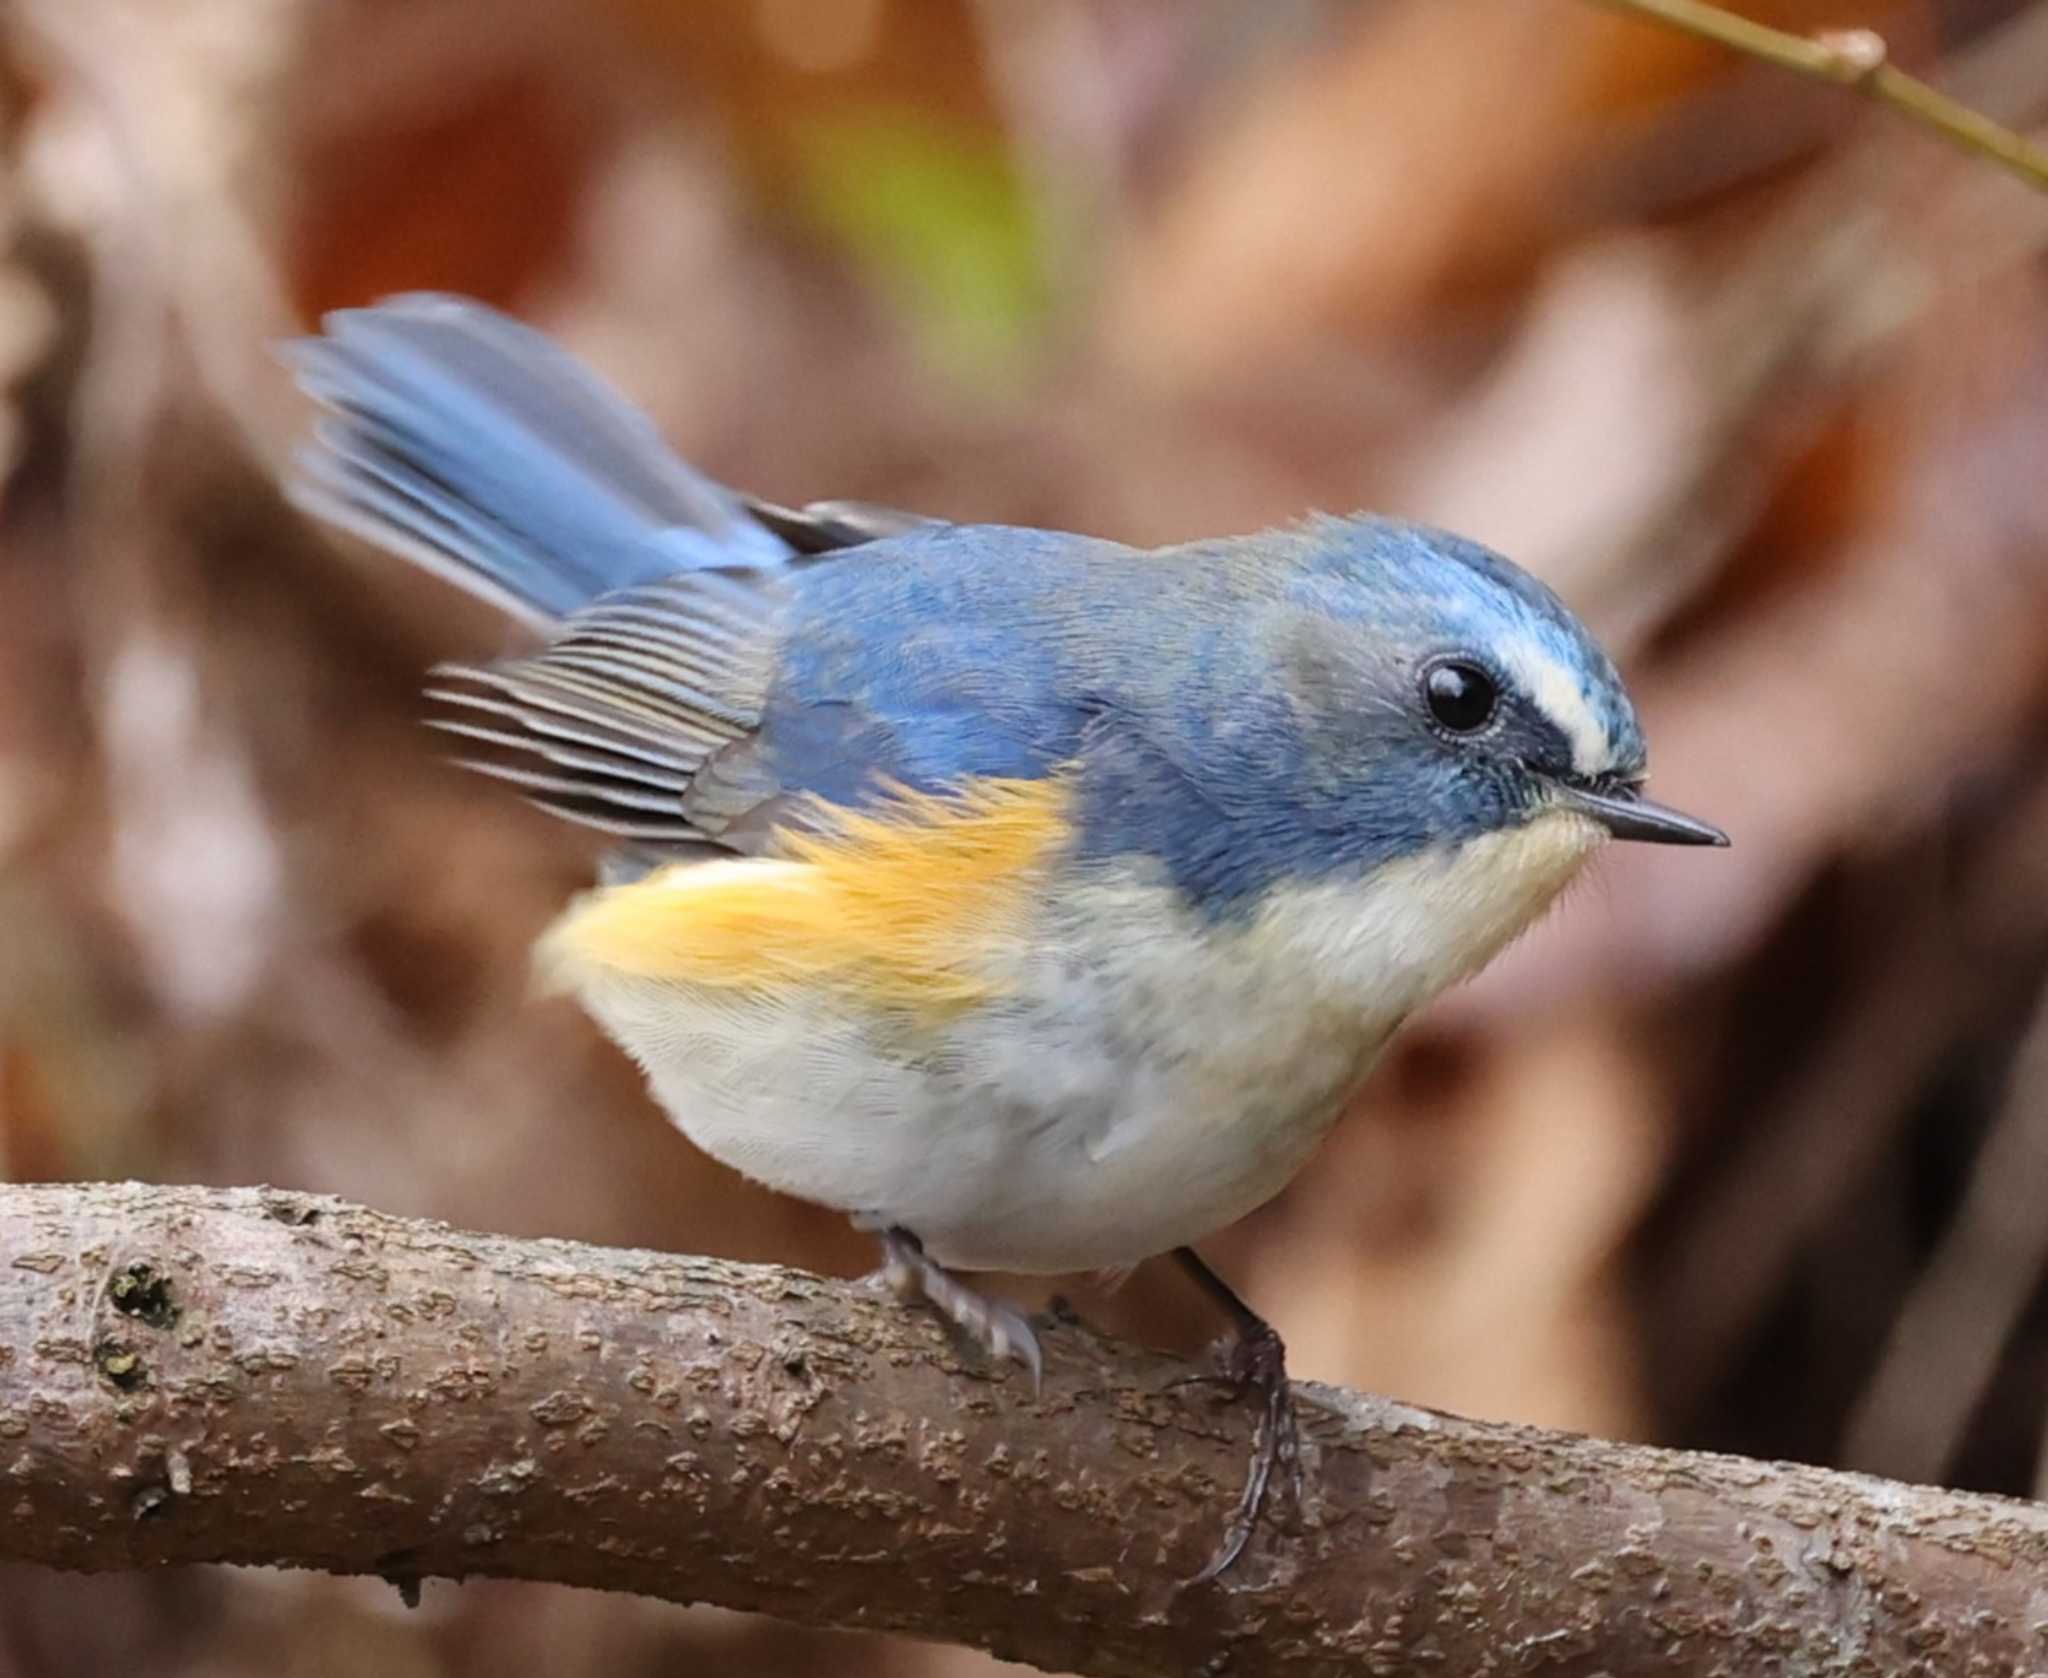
x=612 y=722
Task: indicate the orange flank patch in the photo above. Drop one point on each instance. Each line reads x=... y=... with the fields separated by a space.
x=904 y=905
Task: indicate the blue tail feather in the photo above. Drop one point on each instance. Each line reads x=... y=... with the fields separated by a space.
x=471 y=445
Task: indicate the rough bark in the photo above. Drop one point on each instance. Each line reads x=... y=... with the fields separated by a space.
x=253 y=1376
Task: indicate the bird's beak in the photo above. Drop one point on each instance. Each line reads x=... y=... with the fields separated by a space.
x=1628 y=815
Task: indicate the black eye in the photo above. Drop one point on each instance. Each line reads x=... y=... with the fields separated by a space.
x=1461 y=696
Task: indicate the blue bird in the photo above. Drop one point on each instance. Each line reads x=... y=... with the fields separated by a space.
x=1035 y=900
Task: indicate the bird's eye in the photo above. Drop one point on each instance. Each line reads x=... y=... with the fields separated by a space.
x=1461 y=696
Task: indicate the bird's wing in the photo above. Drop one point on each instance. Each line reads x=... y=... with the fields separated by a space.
x=609 y=724
x=820 y=527
x=727 y=707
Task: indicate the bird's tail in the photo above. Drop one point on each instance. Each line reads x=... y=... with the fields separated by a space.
x=470 y=445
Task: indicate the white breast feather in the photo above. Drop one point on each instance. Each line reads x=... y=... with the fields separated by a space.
x=1150 y=1077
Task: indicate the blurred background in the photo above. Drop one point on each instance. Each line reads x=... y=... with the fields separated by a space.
x=1745 y=1150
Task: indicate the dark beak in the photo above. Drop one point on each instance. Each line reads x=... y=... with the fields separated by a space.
x=1628 y=815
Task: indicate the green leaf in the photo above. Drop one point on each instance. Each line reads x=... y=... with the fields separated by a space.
x=937 y=216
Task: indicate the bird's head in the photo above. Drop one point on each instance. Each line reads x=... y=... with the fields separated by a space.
x=1426 y=701
x=1372 y=721
x=1489 y=704
x=1415 y=748
x=1370 y=752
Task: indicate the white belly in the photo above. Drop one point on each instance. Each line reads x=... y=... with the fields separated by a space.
x=1146 y=1079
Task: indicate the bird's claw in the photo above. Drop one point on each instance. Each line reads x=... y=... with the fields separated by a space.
x=999 y=1330
x=1256 y=1360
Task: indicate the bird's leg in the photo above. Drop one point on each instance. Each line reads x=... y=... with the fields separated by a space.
x=999 y=1330
x=1256 y=1360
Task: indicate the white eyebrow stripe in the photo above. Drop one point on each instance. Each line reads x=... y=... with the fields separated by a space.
x=1555 y=691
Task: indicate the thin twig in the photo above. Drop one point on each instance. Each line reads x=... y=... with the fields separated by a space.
x=1858 y=59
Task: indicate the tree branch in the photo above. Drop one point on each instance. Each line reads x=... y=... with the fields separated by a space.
x=1853 y=58
x=200 y=1375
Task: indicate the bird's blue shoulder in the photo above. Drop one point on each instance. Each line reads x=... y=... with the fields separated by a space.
x=933 y=659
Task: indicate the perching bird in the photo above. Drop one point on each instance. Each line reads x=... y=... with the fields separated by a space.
x=1035 y=900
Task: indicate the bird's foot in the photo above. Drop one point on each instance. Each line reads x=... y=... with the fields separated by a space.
x=999 y=1330
x=1254 y=1360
